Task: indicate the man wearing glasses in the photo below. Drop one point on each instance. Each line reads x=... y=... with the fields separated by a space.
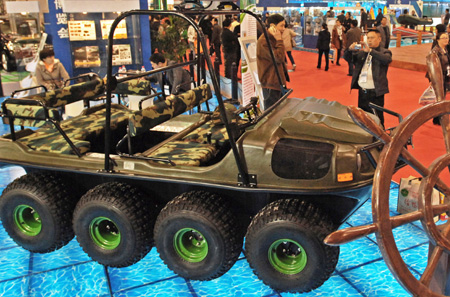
x=370 y=74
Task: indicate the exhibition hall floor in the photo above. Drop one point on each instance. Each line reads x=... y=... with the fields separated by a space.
x=361 y=270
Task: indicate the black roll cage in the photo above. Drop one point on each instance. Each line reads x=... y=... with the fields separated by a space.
x=186 y=14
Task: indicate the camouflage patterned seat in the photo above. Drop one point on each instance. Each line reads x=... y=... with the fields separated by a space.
x=216 y=127
x=29 y=107
x=80 y=130
x=139 y=86
x=143 y=120
x=186 y=153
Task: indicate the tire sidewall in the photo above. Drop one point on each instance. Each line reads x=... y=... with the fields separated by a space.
x=46 y=237
x=115 y=257
x=316 y=256
x=202 y=270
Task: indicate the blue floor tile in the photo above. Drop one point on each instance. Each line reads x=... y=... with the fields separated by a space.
x=14 y=263
x=78 y=280
x=378 y=281
x=151 y=269
x=69 y=255
x=174 y=287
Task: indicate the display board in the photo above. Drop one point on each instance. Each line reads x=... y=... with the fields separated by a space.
x=119 y=33
x=82 y=30
x=87 y=56
x=121 y=54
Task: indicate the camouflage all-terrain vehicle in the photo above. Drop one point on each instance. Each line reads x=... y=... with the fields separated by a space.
x=193 y=184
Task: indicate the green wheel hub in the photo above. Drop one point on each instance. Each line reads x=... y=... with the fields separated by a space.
x=104 y=233
x=287 y=256
x=190 y=245
x=27 y=220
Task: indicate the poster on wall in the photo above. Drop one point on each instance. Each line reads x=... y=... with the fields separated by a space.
x=87 y=56
x=81 y=30
x=119 y=33
x=121 y=54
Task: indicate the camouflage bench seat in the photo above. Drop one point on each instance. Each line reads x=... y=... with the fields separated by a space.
x=81 y=131
x=198 y=148
x=216 y=127
x=33 y=106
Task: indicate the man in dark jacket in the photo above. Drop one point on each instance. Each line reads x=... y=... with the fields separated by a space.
x=230 y=44
x=370 y=74
x=446 y=17
x=216 y=32
x=178 y=79
x=363 y=24
x=379 y=17
x=385 y=33
x=353 y=36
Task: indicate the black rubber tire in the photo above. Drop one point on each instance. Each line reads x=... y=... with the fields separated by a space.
x=133 y=213
x=212 y=217
x=298 y=221
x=52 y=199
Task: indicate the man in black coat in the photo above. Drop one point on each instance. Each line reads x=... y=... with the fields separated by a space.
x=363 y=24
x=385 y=33
x=215 y=40
x=229 y=45
x=379 y=17
x=370 y=74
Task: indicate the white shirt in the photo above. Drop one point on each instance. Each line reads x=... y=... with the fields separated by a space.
x=365 y=80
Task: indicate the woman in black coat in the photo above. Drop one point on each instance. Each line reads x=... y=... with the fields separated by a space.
x=323 y=44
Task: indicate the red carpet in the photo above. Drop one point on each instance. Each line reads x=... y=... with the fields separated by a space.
x=405 y=89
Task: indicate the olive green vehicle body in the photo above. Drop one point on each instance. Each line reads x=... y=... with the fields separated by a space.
x=299 y=121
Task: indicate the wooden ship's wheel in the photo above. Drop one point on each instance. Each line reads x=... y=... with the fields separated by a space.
x=434 y=279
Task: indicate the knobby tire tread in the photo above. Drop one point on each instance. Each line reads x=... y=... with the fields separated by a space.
x=303 y=214
x=216 y=210
x=55 y=194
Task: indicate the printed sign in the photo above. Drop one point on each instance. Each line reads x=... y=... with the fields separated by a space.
x=119 y=33
x=81 y=30
x=87 y=56
x=121 y=54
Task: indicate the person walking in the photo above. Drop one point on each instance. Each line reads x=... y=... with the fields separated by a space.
x=353 y=36
x=341 y=17
x=230 y=43
x=363 y=24
x=266 y=72
x=385 y=33
x=338 y=40
x=323 y=45
x=370 y=74
x=379 y=17
x=215 y=39
x=446 y=17
x=288 y=36
x=348 y=21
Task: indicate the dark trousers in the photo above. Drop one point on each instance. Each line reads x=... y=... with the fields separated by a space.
x=289 y=53
x=327 y=53
x=229 y=59
x=369 y=96
x=270 y=97
x=217 y=51
x=348 y=56
x=338 y=56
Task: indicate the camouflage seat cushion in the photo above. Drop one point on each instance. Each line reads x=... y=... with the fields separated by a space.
x=79 y=130
x=186 y=153
x=50 y=140
x=143 y=120
x=216 y=127
x=81 y=91
x=34 y=111
x=137 y=86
